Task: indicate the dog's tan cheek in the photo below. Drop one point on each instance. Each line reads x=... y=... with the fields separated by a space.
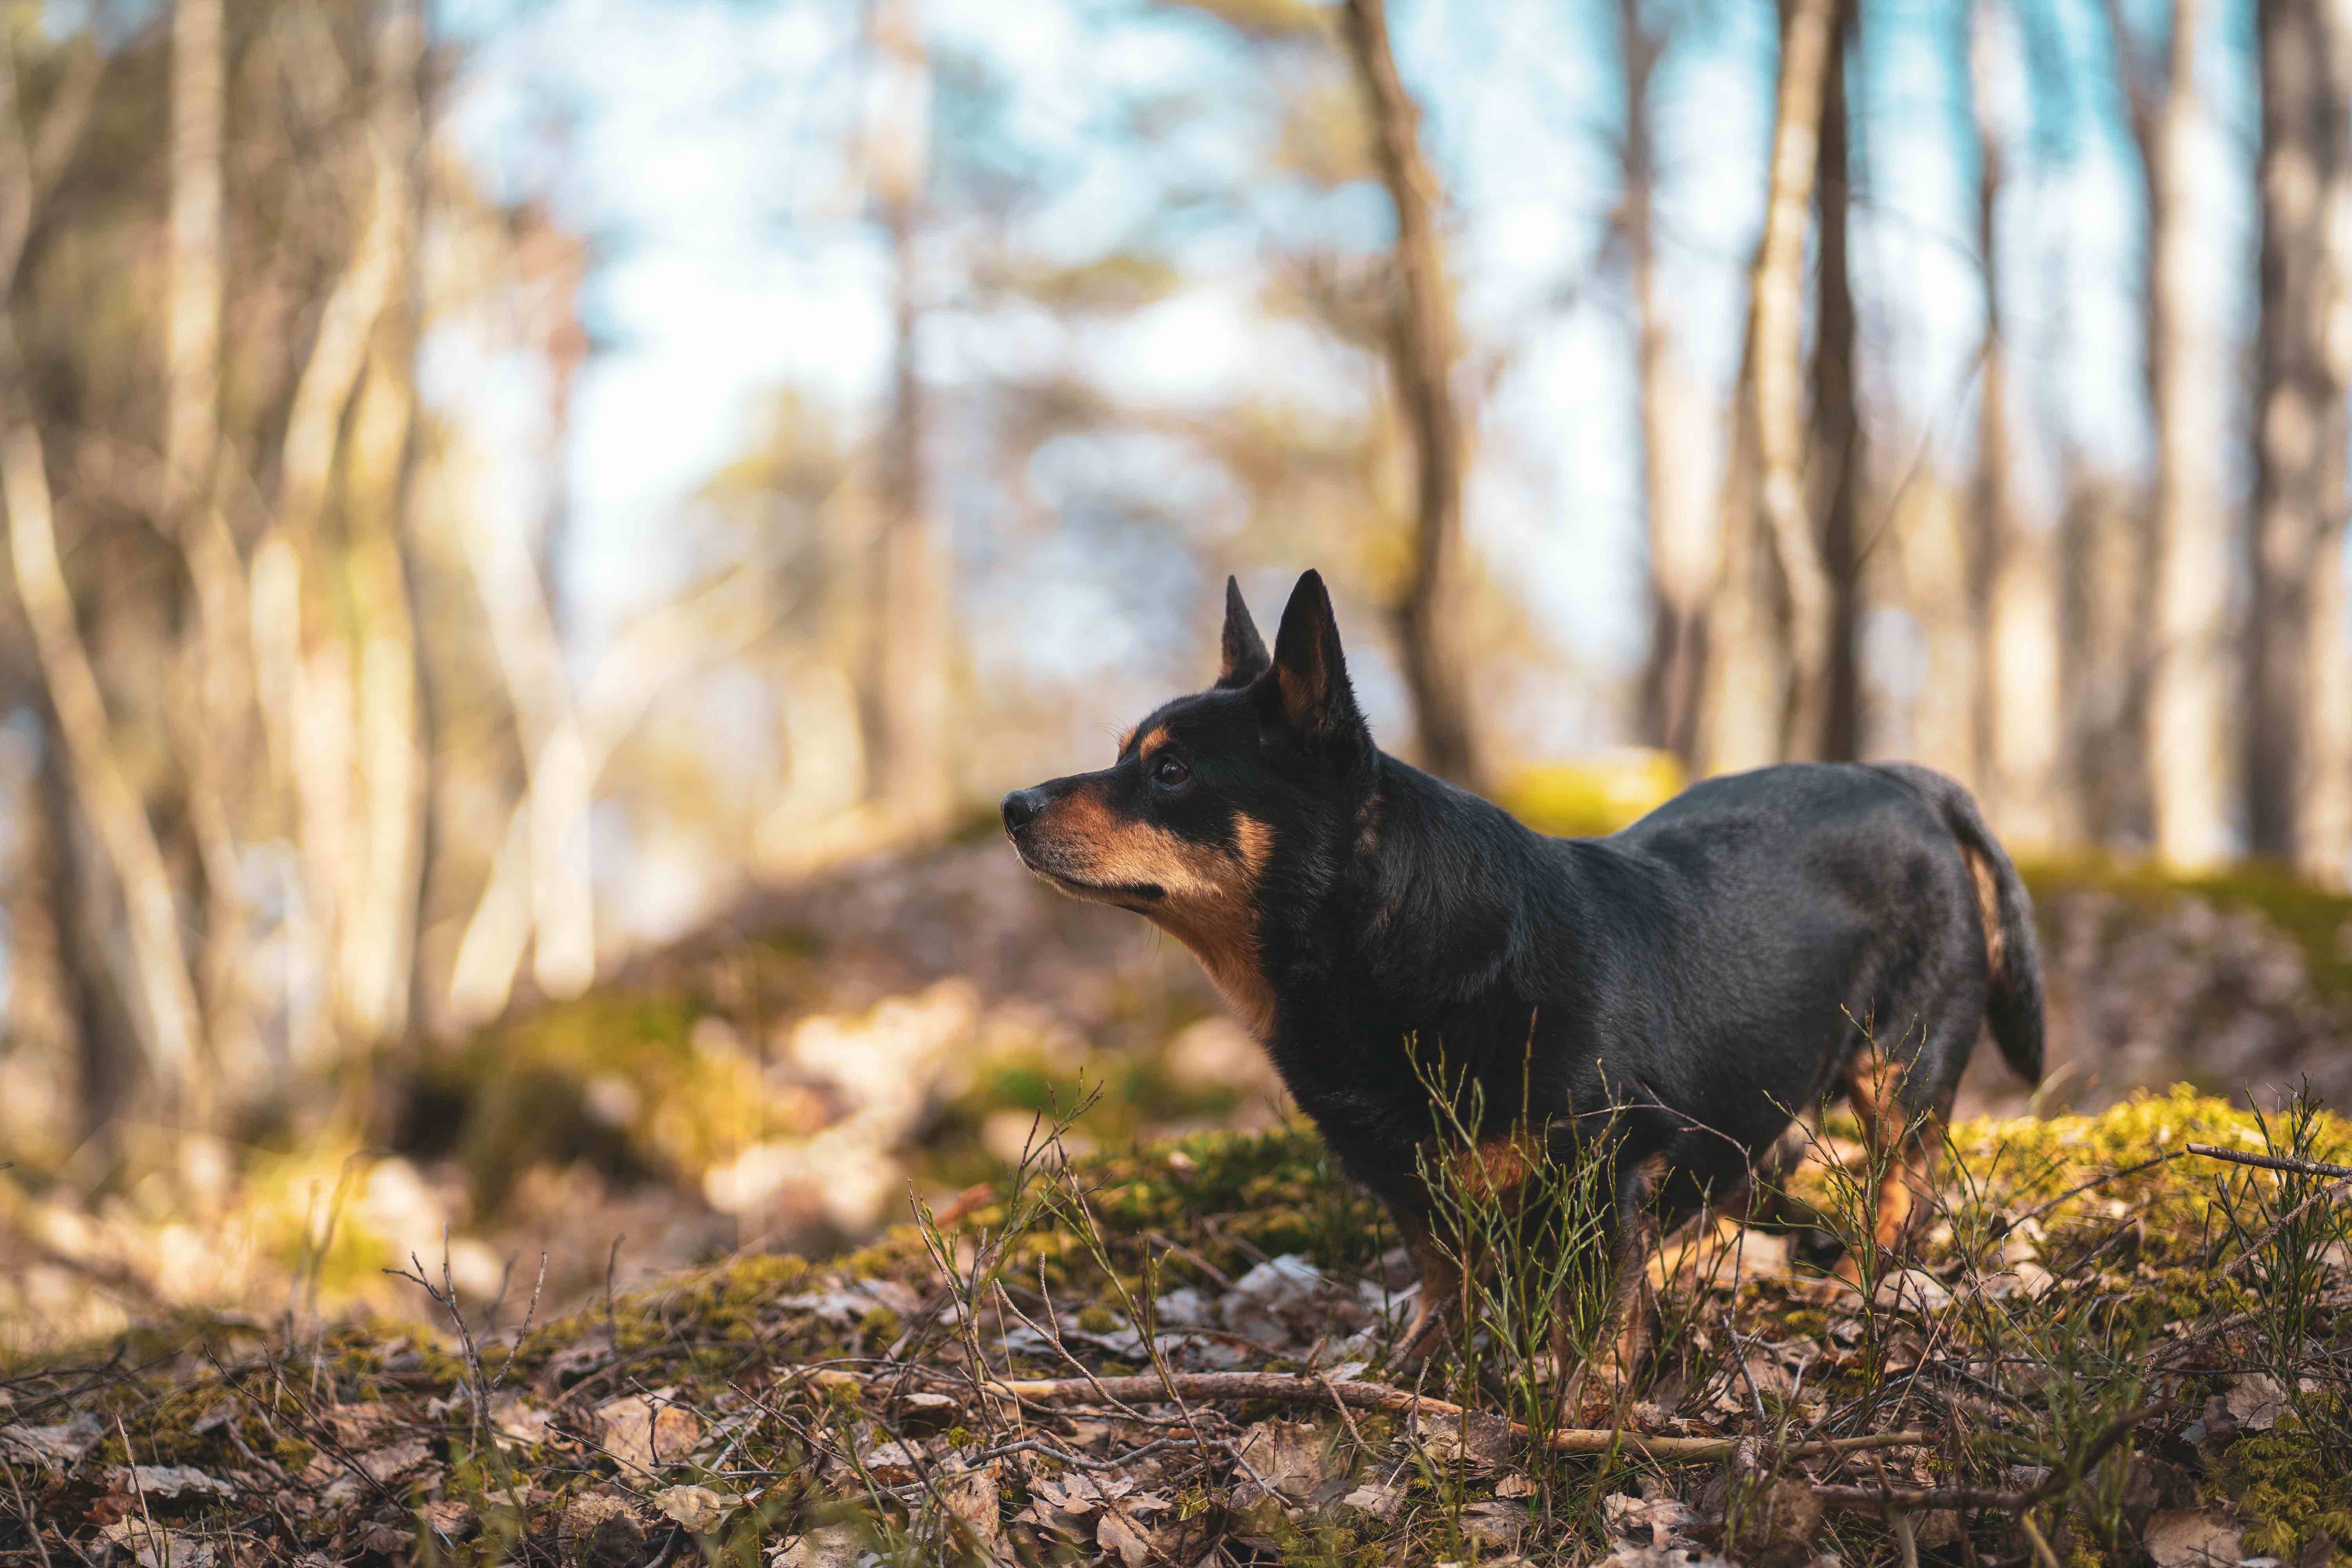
x=1212 y=910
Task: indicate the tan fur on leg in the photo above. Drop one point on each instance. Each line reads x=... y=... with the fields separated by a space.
x=1440 y=1293
x=1899 y=1151
x=1598 y=1391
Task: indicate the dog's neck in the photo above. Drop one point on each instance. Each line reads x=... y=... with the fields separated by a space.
x=1420 y=882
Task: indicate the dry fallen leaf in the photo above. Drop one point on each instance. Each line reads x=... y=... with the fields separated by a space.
x=645 y=1433
x=166 y=1481
x=972 y=1496
x=2255 y=1401
x=519 y=1420
x=2192 y=1537
x=1120 y=1534
x=154 y=1547
x=388 y=1464
x=1913 y=1289
x=1478 y=1442
x=1283 y=1457
x=1496 y=1524
x=57 y=1448
x=1657 y=1520
x=835 y=1546
x=697 y=1509
x=450 y=1520
x=895 y=1464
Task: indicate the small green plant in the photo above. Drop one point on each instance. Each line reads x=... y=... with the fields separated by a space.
x=1526 y=1217
x=2279 y=1228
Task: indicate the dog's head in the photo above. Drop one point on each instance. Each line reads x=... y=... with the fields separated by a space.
x=1210 y=791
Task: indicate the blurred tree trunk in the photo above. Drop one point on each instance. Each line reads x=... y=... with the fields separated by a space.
x=333 y=629
x=1422 y=354
x=1776 y=325
x=542 y=873
x=2114 y=773
x=1837 y=457
x=169 y=1022
x=1681 y=534
x=212 y=724
x=910 y=758
x=2017 y=733
x=166 y=1017
x=81 y=920
x=2298 y=770
x=376 y=951
x=1743 y=685
x=557 y=779
x=2189 y=374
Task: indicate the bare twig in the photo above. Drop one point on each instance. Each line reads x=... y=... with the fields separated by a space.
x=1913 y=1499
x=1288 y=1388
x=529 y=1313
x=2272 y=1162
x=25 y=1510
x=2332 y=1191
x=478 y=1386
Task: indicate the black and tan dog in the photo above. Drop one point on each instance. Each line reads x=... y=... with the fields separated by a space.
x=1758 y=944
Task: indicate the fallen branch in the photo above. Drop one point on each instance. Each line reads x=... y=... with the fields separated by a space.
x=1288 y=1388
x=1921 y=1499
x=1930 y=1499
x=2272 y=1162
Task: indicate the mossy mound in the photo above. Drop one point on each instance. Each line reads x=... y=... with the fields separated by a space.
x=2094 y=1305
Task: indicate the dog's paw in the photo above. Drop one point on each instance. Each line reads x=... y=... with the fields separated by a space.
x=1423 y=1337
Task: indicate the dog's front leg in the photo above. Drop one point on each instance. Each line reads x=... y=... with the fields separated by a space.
x=1440 y=1292
x=1596 y=1394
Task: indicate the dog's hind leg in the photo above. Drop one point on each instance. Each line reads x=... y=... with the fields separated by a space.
x=1900 y=1138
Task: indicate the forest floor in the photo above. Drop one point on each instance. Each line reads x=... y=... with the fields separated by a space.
x=2108 y=1348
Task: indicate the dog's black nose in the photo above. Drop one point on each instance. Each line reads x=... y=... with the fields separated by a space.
x=1021 y=808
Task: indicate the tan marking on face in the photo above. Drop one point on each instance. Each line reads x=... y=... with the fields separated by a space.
x=1209 y=893
x=1153 y=742
x=1981 y=873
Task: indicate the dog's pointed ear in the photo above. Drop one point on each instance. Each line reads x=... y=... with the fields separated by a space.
x=1308 y=683
x=1243 y=652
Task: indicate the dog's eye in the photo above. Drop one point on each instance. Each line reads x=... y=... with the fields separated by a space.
x=1170 y=773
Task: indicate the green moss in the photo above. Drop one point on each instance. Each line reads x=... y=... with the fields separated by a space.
x=2289 y=1486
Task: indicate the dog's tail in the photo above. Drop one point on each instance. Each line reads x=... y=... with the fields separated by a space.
x=2012 y=951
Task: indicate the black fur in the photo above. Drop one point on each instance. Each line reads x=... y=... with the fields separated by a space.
x=1692 y=982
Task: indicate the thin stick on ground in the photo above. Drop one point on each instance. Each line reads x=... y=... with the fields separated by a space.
x=1298 y=1389
x=2285 y=1162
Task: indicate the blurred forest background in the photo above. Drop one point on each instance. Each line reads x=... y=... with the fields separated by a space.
x=537 y=531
